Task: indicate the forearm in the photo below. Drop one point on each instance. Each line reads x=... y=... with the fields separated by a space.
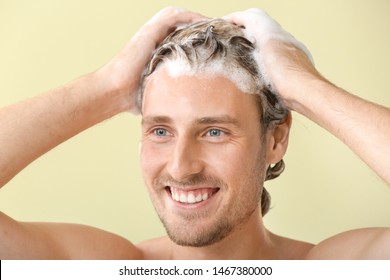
x=361 y=125
x=33 y=127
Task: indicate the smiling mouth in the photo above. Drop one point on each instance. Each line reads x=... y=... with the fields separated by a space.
x=191 y=196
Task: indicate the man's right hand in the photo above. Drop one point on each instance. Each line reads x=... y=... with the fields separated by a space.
x=32 y=127
x=35 y=126
x=124 y=70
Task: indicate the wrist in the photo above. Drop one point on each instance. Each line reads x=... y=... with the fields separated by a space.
x=92 y=99
x=309 y=96
x=116 y=96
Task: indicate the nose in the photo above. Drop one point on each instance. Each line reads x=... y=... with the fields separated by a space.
x=186 y=159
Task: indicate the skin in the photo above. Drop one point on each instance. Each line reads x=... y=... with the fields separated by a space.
x=33 y=127
x=188 y=148
x=307 y=92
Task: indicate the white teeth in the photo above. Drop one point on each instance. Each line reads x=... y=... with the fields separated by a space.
x=191 y=198
x=187 y=197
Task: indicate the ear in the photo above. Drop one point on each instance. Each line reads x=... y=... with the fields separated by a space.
x=277 y=140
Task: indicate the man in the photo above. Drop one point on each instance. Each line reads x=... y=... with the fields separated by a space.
x=208 y=144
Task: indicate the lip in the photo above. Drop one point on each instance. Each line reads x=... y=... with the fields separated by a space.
x=192 y=206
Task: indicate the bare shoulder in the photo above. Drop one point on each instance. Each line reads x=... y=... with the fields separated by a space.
x=367 y=243
x=21 y=240
x=156 y=249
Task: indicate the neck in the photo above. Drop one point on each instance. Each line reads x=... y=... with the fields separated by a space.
x=248 y=241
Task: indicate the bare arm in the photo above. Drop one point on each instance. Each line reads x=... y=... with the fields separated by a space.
x=362 y=244
x=361 y=125
x=31 y=128
x=60 y=241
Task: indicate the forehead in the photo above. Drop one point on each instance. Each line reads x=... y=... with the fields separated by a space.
x=196 y=95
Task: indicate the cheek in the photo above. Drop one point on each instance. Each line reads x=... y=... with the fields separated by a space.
x=151 y=162
x=228 y=161
x=241 y=160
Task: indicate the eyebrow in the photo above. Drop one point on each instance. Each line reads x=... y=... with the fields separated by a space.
x=156 y=119
x=221 y=119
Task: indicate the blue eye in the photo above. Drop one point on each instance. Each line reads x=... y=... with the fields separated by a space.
x=214 y=132
x=160 y=132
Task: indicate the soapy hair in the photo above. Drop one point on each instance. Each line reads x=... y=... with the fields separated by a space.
x=208 y=42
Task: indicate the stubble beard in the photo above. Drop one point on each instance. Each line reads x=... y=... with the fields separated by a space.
x=194 y=232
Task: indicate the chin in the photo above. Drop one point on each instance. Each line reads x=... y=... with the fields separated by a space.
x=198 y=234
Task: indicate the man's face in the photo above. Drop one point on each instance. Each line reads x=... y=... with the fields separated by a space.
x=202 y=155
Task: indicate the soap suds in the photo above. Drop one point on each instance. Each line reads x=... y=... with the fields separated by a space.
x=266 y=29
x=241 y=78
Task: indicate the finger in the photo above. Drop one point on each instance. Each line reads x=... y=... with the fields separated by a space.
x=167 y=20
x=236 y=18
x=172 y=16
x=240 y=16
x=255 y=17
x=263 y=27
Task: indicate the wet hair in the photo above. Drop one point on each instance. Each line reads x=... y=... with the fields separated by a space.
x=207 y=42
